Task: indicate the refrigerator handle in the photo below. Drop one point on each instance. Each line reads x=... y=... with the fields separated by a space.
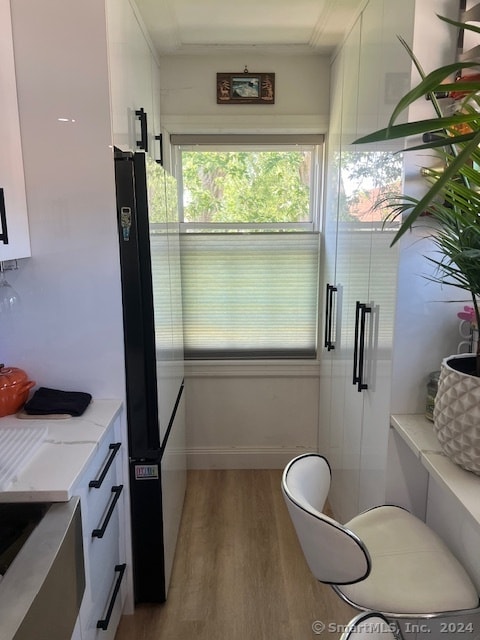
x=3 y=219
x=329 y=317
x=172 y=417
x=143 y=142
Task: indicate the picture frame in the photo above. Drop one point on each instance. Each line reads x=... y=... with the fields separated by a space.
x=245 y=88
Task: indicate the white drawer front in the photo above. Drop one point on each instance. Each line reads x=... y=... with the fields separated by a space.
x=107 y=611
x=103 y=519
x=104 y=563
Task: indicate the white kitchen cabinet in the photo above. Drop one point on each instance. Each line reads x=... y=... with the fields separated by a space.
x=156 y=150
x=354 y=414
x=84 y=456
x=14 y=233
x=101 y=489
x=134 y=80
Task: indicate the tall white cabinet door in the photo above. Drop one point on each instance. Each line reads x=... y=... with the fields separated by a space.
x=156 y=150
x=362 y=184
x=14 y=233
x=353 y=285
x=385 y=174
x=330 y=329
x=356 y=414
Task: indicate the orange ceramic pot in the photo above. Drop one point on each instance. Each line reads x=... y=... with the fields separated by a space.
x=14 y=388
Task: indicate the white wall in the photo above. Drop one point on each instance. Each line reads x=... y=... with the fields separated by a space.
x=426 y=326
x=188 y=94
x=68 y=334
x=247 y=415
x=250 y=416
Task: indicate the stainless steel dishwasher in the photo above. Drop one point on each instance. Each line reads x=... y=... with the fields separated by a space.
x=42 y=588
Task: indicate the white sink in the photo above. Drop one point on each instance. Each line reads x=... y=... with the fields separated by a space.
x=17 y=447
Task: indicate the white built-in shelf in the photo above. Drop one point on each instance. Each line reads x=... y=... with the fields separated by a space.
x=417 y=432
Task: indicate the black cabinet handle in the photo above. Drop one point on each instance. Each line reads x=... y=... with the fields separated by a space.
x=329 y=316
x=103 y=624
x=143 y=142
x=355 y=343
x=160 y=156
x=3 y=219
x=114 y=447
x=359 y=345
x=100 y=532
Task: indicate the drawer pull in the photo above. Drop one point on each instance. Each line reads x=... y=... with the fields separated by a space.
x=99 y=533
x=103 y=624
x=96 y=484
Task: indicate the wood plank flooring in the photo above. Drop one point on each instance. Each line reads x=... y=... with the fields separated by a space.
x=239 y=572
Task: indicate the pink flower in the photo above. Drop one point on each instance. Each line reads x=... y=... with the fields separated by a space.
x=468 y=314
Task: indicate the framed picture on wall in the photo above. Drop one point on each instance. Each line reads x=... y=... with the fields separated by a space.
x=245 y=88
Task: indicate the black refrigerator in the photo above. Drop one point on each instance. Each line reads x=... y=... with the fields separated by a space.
x=147 y=215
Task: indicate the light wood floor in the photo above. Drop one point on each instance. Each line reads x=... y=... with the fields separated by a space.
x=239 y=572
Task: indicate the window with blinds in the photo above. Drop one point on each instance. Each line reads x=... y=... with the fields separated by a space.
x=249 y=245
x=250 y=295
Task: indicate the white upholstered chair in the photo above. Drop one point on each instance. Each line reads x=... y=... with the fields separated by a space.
x=369 y=626
x=383 y=560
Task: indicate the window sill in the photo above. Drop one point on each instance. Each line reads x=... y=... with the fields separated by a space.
x=252 y=369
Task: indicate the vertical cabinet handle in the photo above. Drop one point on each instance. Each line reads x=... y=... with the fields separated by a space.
x=159 y=160
x=329 y=306
x=3 y=219
x=103 y=624
x=97 y=483
x=100 y=532
x=361 y=311
x=143 y=142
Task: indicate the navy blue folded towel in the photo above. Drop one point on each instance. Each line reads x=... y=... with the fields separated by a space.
x=45 y=401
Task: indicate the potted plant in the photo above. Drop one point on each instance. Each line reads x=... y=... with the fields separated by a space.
x=452 y=201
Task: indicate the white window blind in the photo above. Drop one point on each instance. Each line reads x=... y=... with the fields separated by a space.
x=250 y=295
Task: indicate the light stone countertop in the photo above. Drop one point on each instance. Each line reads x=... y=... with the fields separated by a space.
x=69 y=445
x=417 y=432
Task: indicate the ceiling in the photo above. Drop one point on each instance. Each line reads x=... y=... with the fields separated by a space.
x=180 y=27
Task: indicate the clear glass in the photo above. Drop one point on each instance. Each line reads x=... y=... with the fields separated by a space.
x=9 y=298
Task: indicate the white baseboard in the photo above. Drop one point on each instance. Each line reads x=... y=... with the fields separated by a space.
x=242 y=458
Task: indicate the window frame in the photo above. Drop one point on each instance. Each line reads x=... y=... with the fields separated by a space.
x=314 y=143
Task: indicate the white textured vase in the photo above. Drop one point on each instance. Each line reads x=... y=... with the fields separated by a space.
x=456 y=414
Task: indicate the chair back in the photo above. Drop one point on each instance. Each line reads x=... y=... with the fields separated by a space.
x=334 y=554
